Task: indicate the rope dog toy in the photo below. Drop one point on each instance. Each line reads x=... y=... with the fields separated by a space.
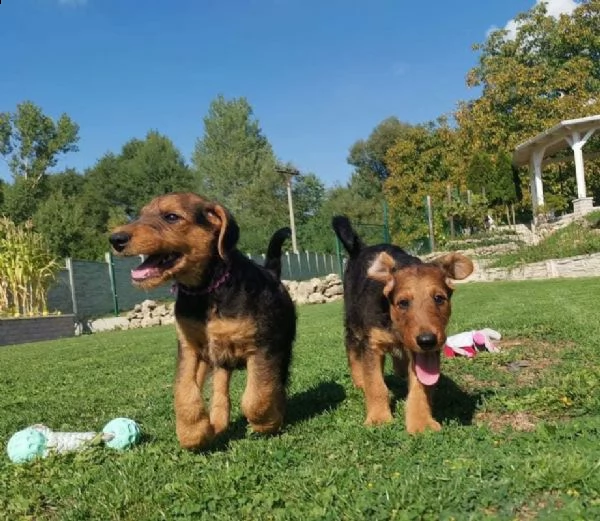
x=38 y=441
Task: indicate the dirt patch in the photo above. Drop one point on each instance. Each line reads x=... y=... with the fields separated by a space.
x=537 y=358
x=530 y=511
x=472 y=383
x=532 y=372
x=520 y=421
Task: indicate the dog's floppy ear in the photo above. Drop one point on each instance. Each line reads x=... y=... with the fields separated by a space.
x=382 y=269
x=455 y=265
x=229 y=231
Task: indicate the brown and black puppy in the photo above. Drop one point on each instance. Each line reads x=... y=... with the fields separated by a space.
x=230 y=313
x=396 y=304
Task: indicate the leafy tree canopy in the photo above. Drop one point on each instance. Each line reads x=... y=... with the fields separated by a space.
x=234 y=163
x=549 y=71
x=32 y=141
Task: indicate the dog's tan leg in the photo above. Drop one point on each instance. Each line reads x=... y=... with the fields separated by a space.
x=220 y=404
x=376 y=392
x=356 y=367
x=192 y=422
x=263 y=402
x=418 y=405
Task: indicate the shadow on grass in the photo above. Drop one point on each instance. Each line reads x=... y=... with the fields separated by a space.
x=450 y=402
x=326 y=396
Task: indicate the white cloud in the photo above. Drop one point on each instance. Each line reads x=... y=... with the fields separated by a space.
x=554 y=7
x=558 y=7
x=73 y=3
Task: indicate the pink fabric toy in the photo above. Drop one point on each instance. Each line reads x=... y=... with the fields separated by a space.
x=470 y=342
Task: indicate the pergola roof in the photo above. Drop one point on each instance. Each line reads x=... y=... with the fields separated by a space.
x=553 y=139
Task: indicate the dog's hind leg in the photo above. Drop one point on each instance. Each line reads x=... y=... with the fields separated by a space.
x=264 y=399
x=192 y=421
x=354 y=360
x=220 y=404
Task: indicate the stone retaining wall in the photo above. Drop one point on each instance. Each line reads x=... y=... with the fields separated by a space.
x=572 y=267
x=151 y=313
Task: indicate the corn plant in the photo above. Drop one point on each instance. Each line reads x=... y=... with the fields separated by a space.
x=27 y=268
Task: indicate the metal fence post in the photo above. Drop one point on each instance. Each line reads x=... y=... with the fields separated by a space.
x=113 y=284
x=338 y=251
x=289 y=265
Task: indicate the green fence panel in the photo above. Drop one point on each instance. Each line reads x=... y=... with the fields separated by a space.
x=92 y=288
x=59 y=294
x=94 y=296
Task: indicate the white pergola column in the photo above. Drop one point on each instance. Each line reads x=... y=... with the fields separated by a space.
x=537 y=187
x=576 y=142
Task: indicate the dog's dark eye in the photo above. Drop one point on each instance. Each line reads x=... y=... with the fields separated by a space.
x=171 y=217
x=439 y=299
x=403 y=304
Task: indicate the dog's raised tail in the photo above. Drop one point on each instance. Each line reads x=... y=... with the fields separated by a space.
x=343 y=229
x=273 y=260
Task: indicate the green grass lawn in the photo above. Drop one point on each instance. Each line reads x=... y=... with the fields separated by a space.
x=521 y=437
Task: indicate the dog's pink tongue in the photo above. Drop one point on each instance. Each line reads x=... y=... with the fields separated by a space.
x=144 y=272
x=427 y=368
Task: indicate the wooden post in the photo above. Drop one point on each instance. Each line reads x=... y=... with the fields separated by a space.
x=430 y=221
x=449 y=199
x=69 y=264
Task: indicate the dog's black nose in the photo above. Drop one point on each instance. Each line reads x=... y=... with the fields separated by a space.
x=119 y=240
x=426 y=341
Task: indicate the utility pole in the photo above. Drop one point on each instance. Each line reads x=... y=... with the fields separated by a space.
x=289 y=174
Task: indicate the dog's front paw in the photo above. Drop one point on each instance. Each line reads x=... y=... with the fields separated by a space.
x=196 y=435
x=272 y=426
x=416 y=426
x=379 y=418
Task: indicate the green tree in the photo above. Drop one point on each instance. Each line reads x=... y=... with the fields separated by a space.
x=481 y=174
x=108 y=194
x=234 y=164
x=423 y=162
x=233 y=153
x=122 y=184
x=22 y=197
x=2 y=188
x=151 y=167
x=549 y=71
x=369 y=159
x=308 y=194
x=31 y=143
x=504 y=191
x=68 y=232
x=70 y=183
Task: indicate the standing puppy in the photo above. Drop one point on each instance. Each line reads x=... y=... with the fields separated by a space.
x=230 y=313
x=396 y=304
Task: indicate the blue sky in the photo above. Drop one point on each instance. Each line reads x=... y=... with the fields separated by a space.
x=320 y=74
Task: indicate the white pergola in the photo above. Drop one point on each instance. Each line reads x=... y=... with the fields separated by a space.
x=573 y=133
